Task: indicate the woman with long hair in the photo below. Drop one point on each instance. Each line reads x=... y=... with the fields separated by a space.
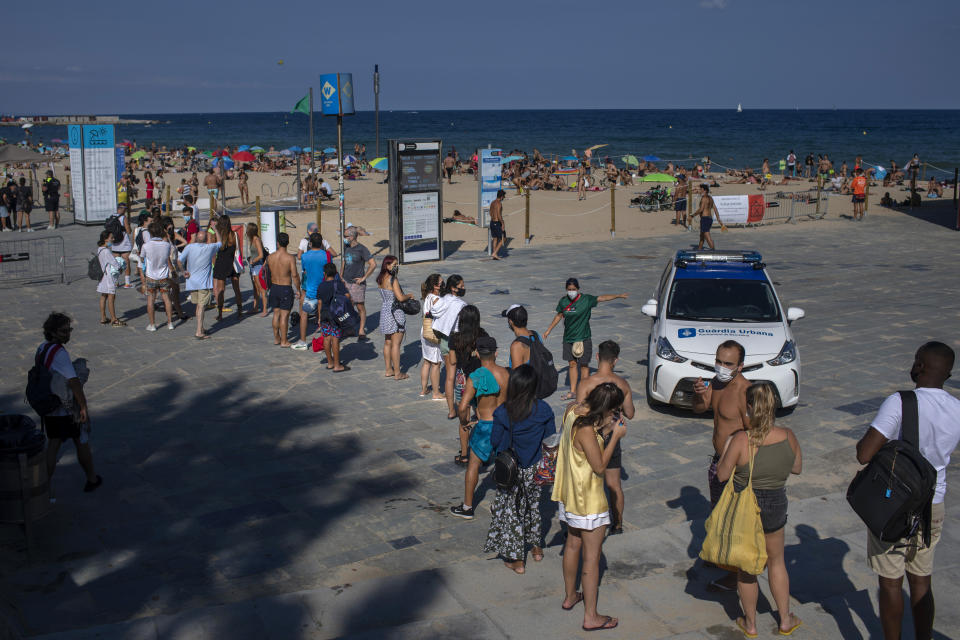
x=520 y=423
x=392 y=319
x=256 y=258
x=148 y=181
x=446 y=312
x=223 y=266
x=107 y=288
x=430 y=366
x=774 y=453
x=242 y=180
x=578 y=488
x=463 y=361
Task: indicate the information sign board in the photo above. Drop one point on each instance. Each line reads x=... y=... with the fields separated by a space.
x=490 y=175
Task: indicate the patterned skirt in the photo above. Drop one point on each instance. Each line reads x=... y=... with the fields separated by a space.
x=516 y=519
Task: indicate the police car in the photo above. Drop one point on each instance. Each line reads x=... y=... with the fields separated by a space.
x=705 y=298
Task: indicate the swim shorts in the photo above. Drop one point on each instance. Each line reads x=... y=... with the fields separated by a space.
x=358 y=292
x=617 y=456
x=706 y=223
x=281 y=297
x=480 y=439
x=309 y=305
x=680 y=205
x=716 y=487
x=496 y=229
x=857 y=198
x=160 y=286
x=584 y=359
x=330 y=330
x=449 y=171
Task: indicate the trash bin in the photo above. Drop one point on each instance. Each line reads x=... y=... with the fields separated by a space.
x=24 y=485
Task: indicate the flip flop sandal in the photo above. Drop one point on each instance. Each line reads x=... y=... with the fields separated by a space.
x=104 y=322
x=606 y=625
x=741 y=624
x=576 y=601
x=118 y=323
x=789 y=632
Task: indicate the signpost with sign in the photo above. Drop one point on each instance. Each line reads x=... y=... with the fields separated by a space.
x=416 y=202
x=336 y=99
x=93 y=170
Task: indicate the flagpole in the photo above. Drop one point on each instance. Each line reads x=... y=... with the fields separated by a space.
x=376 y=98
x=311 y=132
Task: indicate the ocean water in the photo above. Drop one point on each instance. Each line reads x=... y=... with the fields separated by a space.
x=729 y=138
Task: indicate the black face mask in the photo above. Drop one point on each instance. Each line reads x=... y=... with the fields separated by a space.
x=462 y=292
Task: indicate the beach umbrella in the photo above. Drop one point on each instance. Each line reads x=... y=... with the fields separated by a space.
x=221 y=152
x=381 y=164
x=209 y=154
x=597 y=146
x=257 y=149
x=138 y=154
x=191 y=148
x=651 y=158
x=630 y=161
x=285 y=152
x=330 y=150
x=569 y=158
x=243 y=147
x=307 y=149
x=658 y=177
x=226 y=162
x=294 y=149
x=509 y=159
x=243 y=156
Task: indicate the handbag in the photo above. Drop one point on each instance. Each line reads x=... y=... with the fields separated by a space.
x=410 y=307
x=506 y=466
x=427 y=332
x=734 y=537
x=546 y=471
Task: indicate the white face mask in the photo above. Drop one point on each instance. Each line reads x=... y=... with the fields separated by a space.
x=572 y=294
x=723 y=374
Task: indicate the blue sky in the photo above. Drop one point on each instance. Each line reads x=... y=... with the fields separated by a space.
x=167 y=57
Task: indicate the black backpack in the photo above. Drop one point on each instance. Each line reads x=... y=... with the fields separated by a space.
x=114 y=226
x=94 y=270
x=506 y=466
x=542 y=362
x=893 y=494
x=341 y=310
x=39 y=395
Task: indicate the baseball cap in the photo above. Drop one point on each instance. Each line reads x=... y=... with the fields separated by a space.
x=504 y=313
x=486 y=345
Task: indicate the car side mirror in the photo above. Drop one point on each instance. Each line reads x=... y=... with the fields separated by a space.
x=649 y=309
x=794 y=313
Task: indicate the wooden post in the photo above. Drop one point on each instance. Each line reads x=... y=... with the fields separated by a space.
x=73 y=205
x=258 y=210
x=956 y=174
x=923 y=173
x=818 y=196
x=613 y=210
x=526 y=217
x=866 y=198
x=169 y=202
x=319 y=208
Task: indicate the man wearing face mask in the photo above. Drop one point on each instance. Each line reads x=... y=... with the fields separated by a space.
x=575 y=310
x=726 y=395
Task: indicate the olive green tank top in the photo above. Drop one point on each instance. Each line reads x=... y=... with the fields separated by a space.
x=771 y=467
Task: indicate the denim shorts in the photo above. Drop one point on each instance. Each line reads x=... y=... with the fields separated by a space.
x=773 y=508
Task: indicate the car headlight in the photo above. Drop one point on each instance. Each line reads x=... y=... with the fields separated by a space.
x=787 y=354
x=665 y=351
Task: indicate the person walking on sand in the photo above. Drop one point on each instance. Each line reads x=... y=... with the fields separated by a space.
x=392 y=319
x=859 y=187
x=680 y=202
x=705 y=212
x=766 y=455
x=581 y=502
x=284 y=288
x=497 y=231
x=608 y=353
x=430 y=292
x=581 y=182
x=575 y=310
x=521 y=423
x=449 y=164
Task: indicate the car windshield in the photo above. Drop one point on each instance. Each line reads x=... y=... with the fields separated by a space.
x=722 y=300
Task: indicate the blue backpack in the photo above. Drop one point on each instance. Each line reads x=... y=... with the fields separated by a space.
x=342 y=312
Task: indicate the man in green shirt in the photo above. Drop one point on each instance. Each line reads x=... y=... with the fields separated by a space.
x=575 y=310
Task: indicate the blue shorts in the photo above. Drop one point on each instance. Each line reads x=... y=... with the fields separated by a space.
x=480 y=439
x=705 y=224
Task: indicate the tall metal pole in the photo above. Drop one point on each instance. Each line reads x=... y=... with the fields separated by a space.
x=311 y=131
x=376 y=102
x=340 y=180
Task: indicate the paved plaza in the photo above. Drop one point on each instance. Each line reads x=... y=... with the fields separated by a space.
x=249 y=493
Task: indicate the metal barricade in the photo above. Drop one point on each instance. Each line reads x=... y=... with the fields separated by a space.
x=787 y=207
x=32 y=261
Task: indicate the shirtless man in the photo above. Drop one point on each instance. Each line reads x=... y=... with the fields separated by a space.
x=488 y=384
x=449 y=164
x=283 y=273
x=612 y=173
x=212 y=182
x=520 y=347
x=705 y=212
x=497 y=232
x=607 y=355
x=726 y=395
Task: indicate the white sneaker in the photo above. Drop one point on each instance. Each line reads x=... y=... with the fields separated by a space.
x=170 y=326
x=29 y=229
x=151 y=327
x=299 y=345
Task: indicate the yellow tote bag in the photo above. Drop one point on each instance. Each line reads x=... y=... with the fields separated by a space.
x=734 y=532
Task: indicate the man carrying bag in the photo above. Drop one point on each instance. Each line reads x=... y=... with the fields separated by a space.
x=926 y=420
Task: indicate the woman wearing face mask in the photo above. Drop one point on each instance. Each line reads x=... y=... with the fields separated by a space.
x=392 y=321
x=445 y=313
x=575 y=310
x=775 y=454
x=108 y=284
x=430 y=292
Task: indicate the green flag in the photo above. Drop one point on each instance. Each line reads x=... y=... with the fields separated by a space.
x=303 y=106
